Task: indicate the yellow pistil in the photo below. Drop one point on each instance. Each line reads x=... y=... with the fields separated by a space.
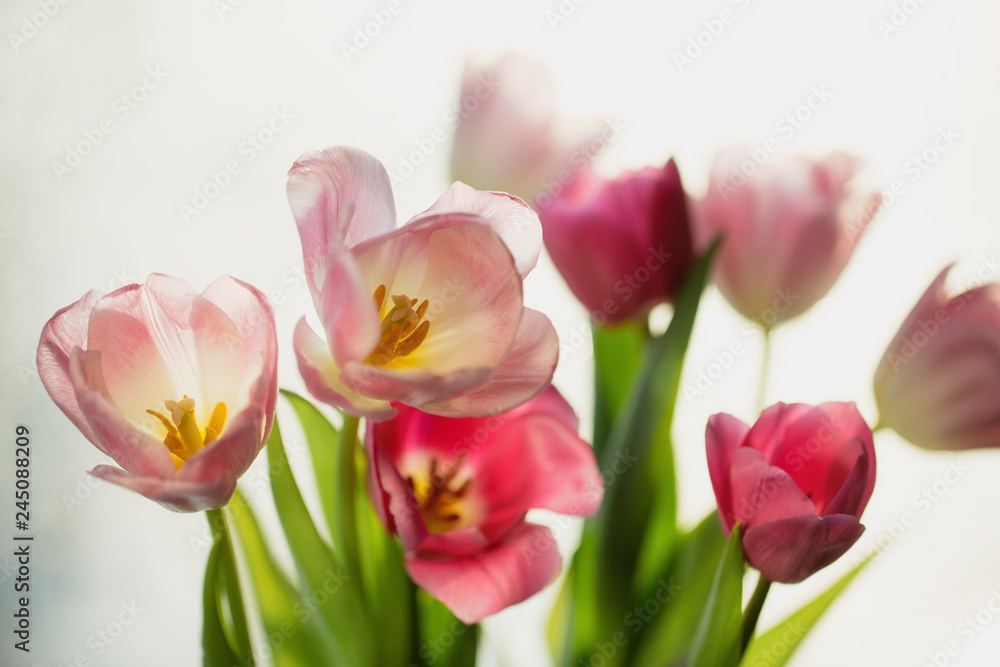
x=184 y=438
x=441 y=506
x=403 y=328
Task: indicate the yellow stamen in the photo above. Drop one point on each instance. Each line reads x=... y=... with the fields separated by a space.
x=442 y=507
x=403 y=328
x=184 y=438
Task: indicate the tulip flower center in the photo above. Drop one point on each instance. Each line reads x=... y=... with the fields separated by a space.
x=403 y=328
x=441 y=503
x=184 y=438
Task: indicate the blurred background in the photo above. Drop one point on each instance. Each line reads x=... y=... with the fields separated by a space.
x=142 y=137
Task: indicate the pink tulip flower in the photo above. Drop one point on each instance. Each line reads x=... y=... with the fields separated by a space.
x=938 y=384
x=507 y=137
x=622 y=245
x=430 y=314
x=177 y=387
x=456 y=492
x=789 y=230
x=797 y=482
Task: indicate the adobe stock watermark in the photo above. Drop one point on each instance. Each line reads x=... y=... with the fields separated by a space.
x=625 y=288
x=579 y=158
x=777 y=653
x=921 y=504
x=225 y=7
x=633 y=621
x=424 y=147
x=371 y=29
x=786 y=126
x=562 y=13
x=104 y=637
x=750 y=332
x=121 y=108
x=973 y=625
x=434 y=648
x=712 y=30
x=900 y=15
x=246 y=153
x=929 y=327
x=914 y=168
x=33 y=24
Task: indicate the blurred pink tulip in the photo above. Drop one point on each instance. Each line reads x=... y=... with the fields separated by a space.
x=938 y=384
x=456 y=492
x=507 y=137
x=797 y=482
x=789 y=230
x=177 y=387
x=623 y=245
x=430 y=314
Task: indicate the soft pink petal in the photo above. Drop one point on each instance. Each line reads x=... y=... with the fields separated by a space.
x=322 y=377
x=394 y=501
x=511 y=218
x=789 y=550
x=478 y=586
x=768 y=432
x=173 y=493
x=523 y=372
x=134 y=450
x=350 y=317
x=413 y=387
x=147 y=357
x=339 y=197
x=232 y=453
x=63 y=333
x=723 y=435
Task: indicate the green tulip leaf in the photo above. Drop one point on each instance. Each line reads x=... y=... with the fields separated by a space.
x=718 y=639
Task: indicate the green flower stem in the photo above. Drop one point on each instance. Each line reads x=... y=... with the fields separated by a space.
x=765 y=365
x=230 y=577
x=346 y=485
x=753 y=611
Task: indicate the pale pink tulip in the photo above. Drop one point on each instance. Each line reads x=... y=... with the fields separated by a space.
x=430 y=314
x=507 y=137
x=456 y=492
x=797 y=482
x=789 y=230
x=938 y=384
x=623 y=245
x=177 y=387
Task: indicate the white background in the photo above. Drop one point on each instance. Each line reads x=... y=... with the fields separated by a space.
x=116 y=217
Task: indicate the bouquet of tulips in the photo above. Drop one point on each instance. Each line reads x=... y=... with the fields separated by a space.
x=439 y=428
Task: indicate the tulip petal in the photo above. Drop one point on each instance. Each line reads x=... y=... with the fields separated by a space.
x=789 y=550
x=116 y=436
x=339 y=197
x=322 y=377
x=768 y=432
x=64 y=332
x=350 y=317
x=413 y=387
x=762 y=492
x=523 y=372
x=477 y=586
x=723 y=435
x=511 y=218
x=173 y=493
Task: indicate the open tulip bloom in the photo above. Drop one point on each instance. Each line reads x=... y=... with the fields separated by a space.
x=456 y=502
x=431 y=314
x=177 y=387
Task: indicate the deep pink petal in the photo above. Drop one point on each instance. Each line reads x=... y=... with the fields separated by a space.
x=761 y=492
x=511 y=218
x=322 y=377
x=339 y=197
x=478 y=586
x=523 y=372
x=63 y=333
x=723 y=435
x=394 y=501
x=173 y=493
x=768 y=432
x=792 y=549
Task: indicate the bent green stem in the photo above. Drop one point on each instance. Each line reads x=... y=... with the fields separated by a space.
x=240 y=635
x=753 y=611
